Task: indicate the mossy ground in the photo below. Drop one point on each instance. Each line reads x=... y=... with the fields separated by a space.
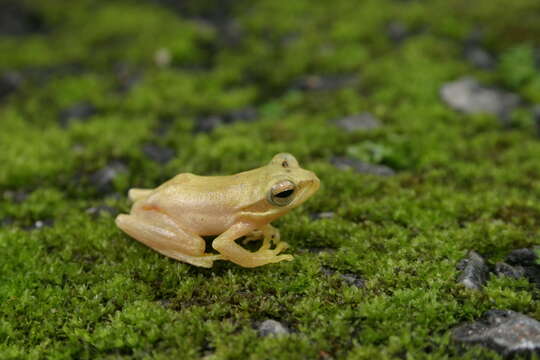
x=82 y=289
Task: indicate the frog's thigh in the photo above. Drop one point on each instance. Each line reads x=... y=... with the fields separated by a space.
x=161 y=233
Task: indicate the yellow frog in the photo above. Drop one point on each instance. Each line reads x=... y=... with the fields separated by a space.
x=173 y=217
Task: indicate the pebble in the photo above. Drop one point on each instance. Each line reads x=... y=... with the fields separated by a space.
x=505 y=331
x=362 y=121
x=15 y=19
x=474 y=271
x=209 y=123
x=524 y=257
x=345 y=163
x=78 y=111
x=504 y=269
x=468 y=96
x=159 y=154
x=349 y=278
x=40 y=224
x=127 y=77
x=353 y=280
x=272 y=328
x=103 y=179
x=97 y=211
x=324 y=82
x=397 y=31
x=10 y=81
x=322 y=215
x=16 y=196
x=479 y=57
x=536 y=118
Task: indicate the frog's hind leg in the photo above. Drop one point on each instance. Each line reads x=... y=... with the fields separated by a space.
x=158 y=231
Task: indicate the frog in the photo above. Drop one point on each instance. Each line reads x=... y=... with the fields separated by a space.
x=174 y=218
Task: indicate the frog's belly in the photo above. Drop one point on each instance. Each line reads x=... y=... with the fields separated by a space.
x=204 y=224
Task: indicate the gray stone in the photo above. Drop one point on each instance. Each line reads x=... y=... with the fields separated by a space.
x=504 y=269
x=345 y=163
x=97 y=211
x=397 y=31
x=325 y=82
x=363 y=121
x=474 y=271
x=468 y=96
x=322 y=215
x=507 y=332
x=525 y=257
x=103 y=179
x=536 y=116
x=16 y=19
x=40 y=224
x=10 y=81
x=272 y=328
x=479 y=57
x=159 y=154
x=78 y=111
x=353 y=280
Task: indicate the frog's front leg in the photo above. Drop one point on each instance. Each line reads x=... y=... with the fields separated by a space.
x=268 y=233
x=225 y=244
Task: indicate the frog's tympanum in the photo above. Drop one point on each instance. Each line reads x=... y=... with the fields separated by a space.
x=173 y=217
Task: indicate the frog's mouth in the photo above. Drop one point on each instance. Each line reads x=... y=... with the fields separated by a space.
x=307 y=189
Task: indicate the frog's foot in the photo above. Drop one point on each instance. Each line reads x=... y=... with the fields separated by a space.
x=272 y=255
x=206 y=260
x=269 y=234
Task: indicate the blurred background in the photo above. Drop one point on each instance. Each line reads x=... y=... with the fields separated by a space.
x=152 y=87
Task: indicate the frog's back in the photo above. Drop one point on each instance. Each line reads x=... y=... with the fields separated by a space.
x=192 y=192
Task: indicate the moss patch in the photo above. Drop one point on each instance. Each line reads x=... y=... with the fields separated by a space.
x=154 y=71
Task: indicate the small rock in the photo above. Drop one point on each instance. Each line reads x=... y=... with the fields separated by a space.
x=322 y=215
x=40 y=224
x=474 y=271
x=353 y=280
x=103 y=179
x=397 y=31
x=532 y=273
x=349 y=278
x=7 y=221
x=208 y=123
x=16 y=196
x=272 y=328
x=159 y=154
x=15 y=19
x=127 y=77
x=507 y=332
x=503 y=269
x=536 y=118
x=467 y=95
x=97 y=211
x=324 y=83
x=78 y=111
x=162 y=57
x=345 y=163
x=363 y=121
x=524 y=257
x=9 y=82
x=245 y=114
x=479 y=57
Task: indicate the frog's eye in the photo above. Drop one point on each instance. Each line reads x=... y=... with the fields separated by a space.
x=281 y=194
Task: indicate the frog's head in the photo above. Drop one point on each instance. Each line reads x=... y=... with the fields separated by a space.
x=289 y=184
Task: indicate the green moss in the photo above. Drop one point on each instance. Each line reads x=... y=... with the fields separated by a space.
x=82 y=289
